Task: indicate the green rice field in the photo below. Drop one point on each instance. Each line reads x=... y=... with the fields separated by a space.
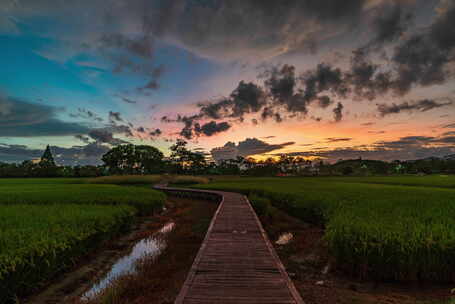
x=386 y=228
x=46 y=224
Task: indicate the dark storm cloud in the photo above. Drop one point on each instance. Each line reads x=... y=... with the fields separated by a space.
x=281 y=82
x=338 y=112
x=207 y=26
x=192 y=128
x=364 y=80
x=390 y=22
x=211 y=128
x=295 y=93
x=105 y=136
x=25 y=119
x=246 y=98
x=420 y=106
x=283 y=90
x=251 y=28
x=421 y=59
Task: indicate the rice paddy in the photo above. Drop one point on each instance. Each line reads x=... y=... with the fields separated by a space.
x=47 y=224
x=381 y=228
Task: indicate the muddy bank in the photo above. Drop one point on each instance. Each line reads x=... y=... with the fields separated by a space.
x=163 y=266
x=304 y=253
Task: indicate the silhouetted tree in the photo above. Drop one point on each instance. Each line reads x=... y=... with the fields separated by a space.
x=47 y=159
x=131 y=159
x=184 y=160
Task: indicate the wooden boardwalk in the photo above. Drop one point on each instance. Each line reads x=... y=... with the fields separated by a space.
x=236 y=262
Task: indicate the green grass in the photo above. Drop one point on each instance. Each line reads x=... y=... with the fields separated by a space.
x=375 y=227
x=37 y=241
x=33 y=181
x=145 y=200
x=47 y=224
x=126 y=179
x=441 y=181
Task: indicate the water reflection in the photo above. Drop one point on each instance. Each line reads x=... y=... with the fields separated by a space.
x=150 y=247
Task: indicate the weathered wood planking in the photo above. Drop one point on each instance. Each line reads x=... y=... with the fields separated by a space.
x=236 y=262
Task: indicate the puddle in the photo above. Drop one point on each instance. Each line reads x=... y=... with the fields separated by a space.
x=151 y=247
x=285 y=238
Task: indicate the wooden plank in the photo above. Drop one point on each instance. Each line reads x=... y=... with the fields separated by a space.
x=236 y=262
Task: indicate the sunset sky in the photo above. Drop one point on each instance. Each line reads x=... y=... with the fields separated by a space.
x=327 y=78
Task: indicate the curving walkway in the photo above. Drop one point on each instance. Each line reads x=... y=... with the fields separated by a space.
x=236 y=262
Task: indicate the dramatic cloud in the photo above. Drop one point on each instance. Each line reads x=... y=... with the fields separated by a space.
x=105 y=136
x=422 y=59
x=192 y=128
x=338 y=112
x=246 y=98
x=23 y=119
x=225 y=30
x=250 y=146
x=421 y=106
x=390 y=23
x=211 y=128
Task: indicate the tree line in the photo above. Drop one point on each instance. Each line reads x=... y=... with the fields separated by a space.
x=144 y=159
